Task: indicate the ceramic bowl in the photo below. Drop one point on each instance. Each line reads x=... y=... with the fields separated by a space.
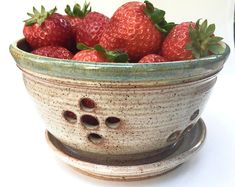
x=118 y=110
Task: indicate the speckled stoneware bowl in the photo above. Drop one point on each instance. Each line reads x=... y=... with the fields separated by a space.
x=118 y=114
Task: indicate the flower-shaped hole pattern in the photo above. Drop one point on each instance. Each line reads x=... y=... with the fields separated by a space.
x=91 y=122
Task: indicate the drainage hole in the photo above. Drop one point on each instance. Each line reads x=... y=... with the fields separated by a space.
x=70 y=116
x=194 y=115
x=174 y=136
x=95 y=138
x=89 y=122
x=87 y=104
x=113 y=122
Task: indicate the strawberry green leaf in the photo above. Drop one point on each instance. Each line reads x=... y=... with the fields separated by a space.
x=52 y=11
x=68 y=11
x=203 y=27
x=203 y=42
x=112 y=56
x=86 y=8
x=99 y=48
x=198 y=23
x=149 y=7
x=210 y=30
x=157 y=16
x=196 y=54
x=40 y=21
x=168 y=26
x=122 y=57
x=81 y=46
x=39 y=17
x=30 y=22
x=216 y=49
x=35 y=11
x=115 y=56
x=163 y=30
x=77 y=11
x=215 y=40
x=192 y=33
x=43 y=10
x=189 y=46
x=29 y=14
x=204 y=53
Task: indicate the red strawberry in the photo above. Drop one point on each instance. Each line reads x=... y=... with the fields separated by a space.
x=54 y=52
x=98 y=54
x=76 y=15
x=190 y=40
x=152 y=58
x=135 y=28
x=89 y=55
x=174 y=46
x=91 y=28
x=47 y=28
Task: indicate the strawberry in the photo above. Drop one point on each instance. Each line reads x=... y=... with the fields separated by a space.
x=174 y=45
x=87 y=26
x=152 y=58
x=190 y=40
x=91 y=28
x=98 y=54
x=47 y=28
x=54 y=52
x=89 y=55
x=136 y=28
x=76 y=15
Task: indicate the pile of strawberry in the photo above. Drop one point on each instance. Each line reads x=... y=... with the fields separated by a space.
x=137 y=32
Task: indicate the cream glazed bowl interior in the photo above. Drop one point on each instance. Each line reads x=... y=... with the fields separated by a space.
x=118 y=111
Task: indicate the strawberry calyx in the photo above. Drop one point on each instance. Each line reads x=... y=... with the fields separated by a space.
x=203 y=41
x=77 y=11
x=112 y=56
x=158 y=18
x=39 y=17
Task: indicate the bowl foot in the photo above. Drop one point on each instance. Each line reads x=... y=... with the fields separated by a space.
x=138 y=169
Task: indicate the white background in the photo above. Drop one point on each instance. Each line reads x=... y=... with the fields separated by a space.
x=25 y=158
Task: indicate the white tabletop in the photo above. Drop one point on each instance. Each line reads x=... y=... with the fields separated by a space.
x=25 y=158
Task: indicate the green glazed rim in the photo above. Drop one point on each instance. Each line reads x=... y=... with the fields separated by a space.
x=178 y=71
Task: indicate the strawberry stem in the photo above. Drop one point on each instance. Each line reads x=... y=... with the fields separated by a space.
x=39 y=17
x=158 y=18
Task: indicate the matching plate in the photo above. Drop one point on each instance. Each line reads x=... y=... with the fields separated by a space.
x=189 y=145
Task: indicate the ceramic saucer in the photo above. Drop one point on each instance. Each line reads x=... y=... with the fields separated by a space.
x=190 y=144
